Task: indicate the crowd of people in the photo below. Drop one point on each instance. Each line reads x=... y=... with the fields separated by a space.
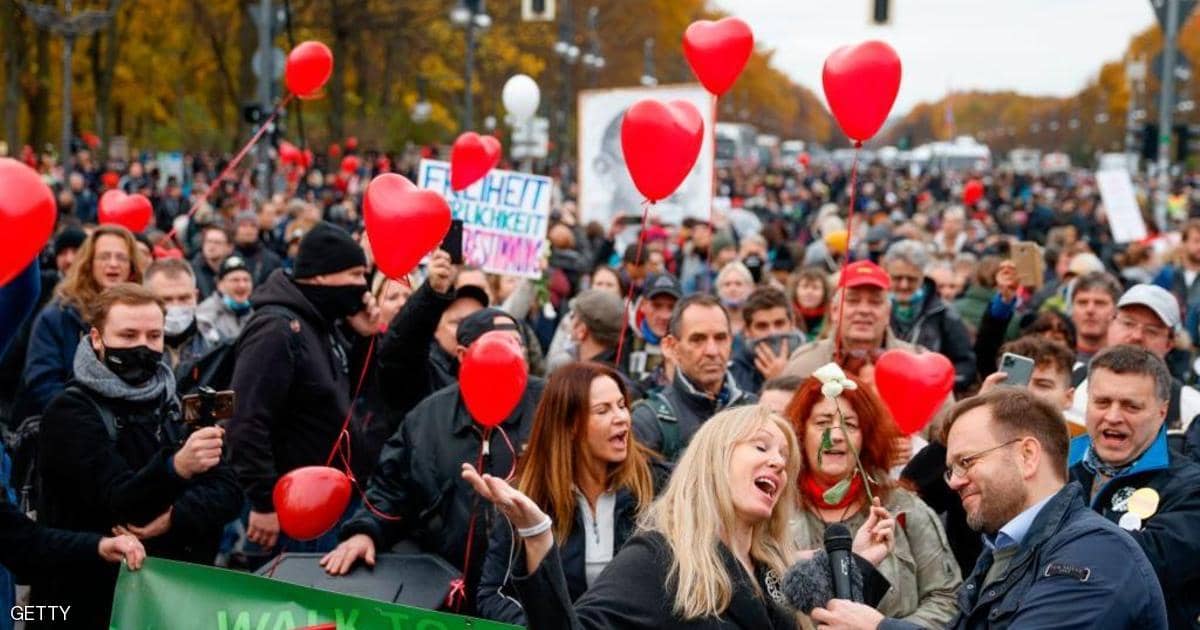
x=683 y=440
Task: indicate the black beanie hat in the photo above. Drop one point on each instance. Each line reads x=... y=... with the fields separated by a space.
x=327 y=248
x=69 y=238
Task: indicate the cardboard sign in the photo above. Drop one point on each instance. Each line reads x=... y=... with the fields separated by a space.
x=1121 y=206
x=505 y=216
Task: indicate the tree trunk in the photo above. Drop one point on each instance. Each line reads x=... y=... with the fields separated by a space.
x=337 y=83
x=14 y=60
x=388 y=78
x=103 y=71
x=39 y=101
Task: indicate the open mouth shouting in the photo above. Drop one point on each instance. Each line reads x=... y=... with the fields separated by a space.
x=769 y=486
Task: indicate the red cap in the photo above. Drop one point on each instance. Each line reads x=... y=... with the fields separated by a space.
x=864 y=273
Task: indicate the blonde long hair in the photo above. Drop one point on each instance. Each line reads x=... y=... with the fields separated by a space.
x=697 y=506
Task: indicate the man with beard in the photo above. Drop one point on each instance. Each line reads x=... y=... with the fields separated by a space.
x=1133 y=479
x=292 y=373
x=1048 y=561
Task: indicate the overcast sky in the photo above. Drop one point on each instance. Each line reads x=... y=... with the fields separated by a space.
x=1041 y=47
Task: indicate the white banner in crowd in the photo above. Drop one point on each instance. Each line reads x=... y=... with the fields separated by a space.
x=1121 y=206
x=605 y=187
x=505 y=216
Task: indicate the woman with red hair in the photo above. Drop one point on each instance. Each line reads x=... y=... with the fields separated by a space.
x=921 y=569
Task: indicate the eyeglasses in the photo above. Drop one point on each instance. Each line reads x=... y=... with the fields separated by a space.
x=107 y=256
x=1149 y=330
x=964 y=464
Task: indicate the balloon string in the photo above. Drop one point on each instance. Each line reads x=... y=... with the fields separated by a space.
x=712 y=199
x=458 y=590
x=512 y=471
x=629 y=294
x=345 y=432
x=837 y=344
x=212 y=186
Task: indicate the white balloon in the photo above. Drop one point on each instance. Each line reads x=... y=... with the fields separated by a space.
x=521 y=96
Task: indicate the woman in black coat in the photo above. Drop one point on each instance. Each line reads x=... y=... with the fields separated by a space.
x=711 y=552
x=582 y=465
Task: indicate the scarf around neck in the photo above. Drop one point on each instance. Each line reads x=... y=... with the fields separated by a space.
x=91 y=372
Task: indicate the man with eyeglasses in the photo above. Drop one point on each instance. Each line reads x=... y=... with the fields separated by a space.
x=1048 y=560
x=1148 y=316
x=1134 y=479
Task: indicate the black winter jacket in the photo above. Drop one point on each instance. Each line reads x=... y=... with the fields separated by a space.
x=293 y=384
x=406 y=352
x=91 y=483
x=939 y=328
x=418 y=479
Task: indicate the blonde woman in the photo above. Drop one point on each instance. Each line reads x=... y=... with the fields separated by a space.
x=709 y=553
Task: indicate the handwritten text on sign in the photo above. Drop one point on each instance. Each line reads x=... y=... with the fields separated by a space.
x=505 y=217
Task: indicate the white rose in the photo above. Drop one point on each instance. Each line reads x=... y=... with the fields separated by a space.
x=832 y=389
x=829 y=373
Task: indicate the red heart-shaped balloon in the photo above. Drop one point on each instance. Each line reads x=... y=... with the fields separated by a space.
x=861 y=83
x=310 y=500
x=914 y=386
x=471 y=158
x=350 y=164
x=133 y=212
x=27 y=212
x=403 y=222
x=289 y=153
x=972 y=192
x=309 y=66
x=718 y=51
x=493 y=377
x=661 y=142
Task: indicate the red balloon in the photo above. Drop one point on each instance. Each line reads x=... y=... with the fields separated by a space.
x=310 y=500
x=110 y=179
x=718 y=51
x=471 y=158
x=351 y=143
x=403 y=222
x=972 y=192
x=350 y=164
x=804 y=159
x=289 y=154
x=308 y=68
x=335 y=150
x=861 y=83
x=661 y=142
x=914 y=386
x=134 y=212
x=27 y=212
x=493 y=377
x=307 y=158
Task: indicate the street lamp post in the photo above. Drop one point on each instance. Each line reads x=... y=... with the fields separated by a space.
x=470 y=15
x=566 y=49
x=593 y=59
x=69 y=26
x=648 y=78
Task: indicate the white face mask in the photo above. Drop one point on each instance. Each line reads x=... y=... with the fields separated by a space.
x=179 y=318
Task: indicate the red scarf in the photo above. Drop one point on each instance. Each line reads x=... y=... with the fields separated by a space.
x=816 y=492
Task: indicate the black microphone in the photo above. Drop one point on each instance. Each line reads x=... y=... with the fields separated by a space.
x=837 y=545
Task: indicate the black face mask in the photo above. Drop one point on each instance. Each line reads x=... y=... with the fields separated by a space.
x=335 y=302
x=754 y=263
x=134 y=365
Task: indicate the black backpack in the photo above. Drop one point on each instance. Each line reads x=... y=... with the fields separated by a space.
x=215 y=367
x=22 y=446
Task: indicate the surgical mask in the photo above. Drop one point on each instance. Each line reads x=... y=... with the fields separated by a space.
x=238 y=308
x=179 y=319
x=731 y=303
x=134 y=365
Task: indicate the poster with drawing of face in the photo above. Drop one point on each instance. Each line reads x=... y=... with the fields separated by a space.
x=605 y=186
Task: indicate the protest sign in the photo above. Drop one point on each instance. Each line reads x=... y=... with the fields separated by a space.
x=1121 y=206
x=505 y=216
x=178 y=595
x=605 y=186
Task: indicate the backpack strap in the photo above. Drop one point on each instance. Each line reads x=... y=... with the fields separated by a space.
x=668 y=424
x=106 y=414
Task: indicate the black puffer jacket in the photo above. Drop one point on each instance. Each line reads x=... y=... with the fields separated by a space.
x=293 y=389
x=419 y=479
x=91 y=483
x=939 y=328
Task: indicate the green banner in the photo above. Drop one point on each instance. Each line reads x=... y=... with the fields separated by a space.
x=167 y=595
